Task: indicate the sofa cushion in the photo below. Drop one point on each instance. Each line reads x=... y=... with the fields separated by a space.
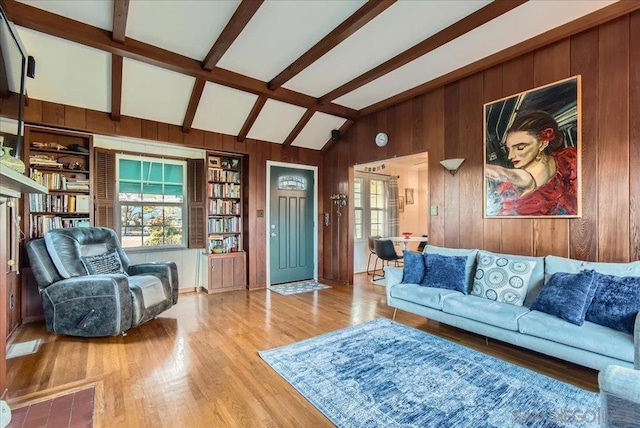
x=426 y=296
x=413 y=270
x=445 y=272
x=150 y=287
x=616 y=302
x=567 y=296
x=502 y=279
x=589 y=336
x=536 y=282
x=498 y=314
x=553 y=264
x=106 y=263
x=470 y=268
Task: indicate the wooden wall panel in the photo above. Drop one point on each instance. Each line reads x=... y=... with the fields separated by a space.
x=402 y=134
x=129 y=126
x=606 y=92
x=452 y=150
x=582 y=231
x=33 y=112
x=53 y=114
x=471 y=173
x=634 y=137
x=613 y=134
x=418 y=142
x=517 y=233
x=75 y=117
x=552 y=63
x=434 y=137
x=492 y=239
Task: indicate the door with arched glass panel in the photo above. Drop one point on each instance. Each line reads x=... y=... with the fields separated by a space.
x=291 y=228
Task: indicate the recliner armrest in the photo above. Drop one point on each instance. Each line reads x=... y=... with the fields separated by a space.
x=88 y=286
x=168 y=270
x=621 y=382
x=89 y=306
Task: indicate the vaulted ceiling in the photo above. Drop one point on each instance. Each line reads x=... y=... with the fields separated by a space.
x=283 y=71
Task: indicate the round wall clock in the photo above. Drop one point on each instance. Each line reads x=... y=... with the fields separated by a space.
x=382 y=139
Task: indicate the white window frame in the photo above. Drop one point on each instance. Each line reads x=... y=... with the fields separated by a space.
x=183 y=205
x=366 y=204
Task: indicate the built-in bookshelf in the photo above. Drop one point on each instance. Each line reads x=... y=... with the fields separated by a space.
x=61 y=161
x=224 y=204
x=225 y=214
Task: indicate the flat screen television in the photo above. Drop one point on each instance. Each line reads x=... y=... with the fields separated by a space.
x=13 y=64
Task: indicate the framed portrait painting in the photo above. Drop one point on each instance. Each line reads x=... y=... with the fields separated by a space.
x=532 y=163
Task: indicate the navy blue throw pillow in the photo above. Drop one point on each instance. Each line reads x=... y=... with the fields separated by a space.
x=445 y=272
x=413 y=270
x=567 y=296
x=616 y=302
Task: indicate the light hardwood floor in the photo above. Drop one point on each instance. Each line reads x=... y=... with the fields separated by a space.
x=198 y=365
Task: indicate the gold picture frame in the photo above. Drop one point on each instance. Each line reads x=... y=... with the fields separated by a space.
x=532 y=153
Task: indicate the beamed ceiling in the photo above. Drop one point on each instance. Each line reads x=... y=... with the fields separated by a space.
x=286 y=72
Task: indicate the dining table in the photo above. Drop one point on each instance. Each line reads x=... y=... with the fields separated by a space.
x=405 y=241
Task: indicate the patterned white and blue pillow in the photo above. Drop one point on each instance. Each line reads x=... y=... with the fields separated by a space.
x=502 y=279
x=101 y=264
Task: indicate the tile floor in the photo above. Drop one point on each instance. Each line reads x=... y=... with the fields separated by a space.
x=74 y=410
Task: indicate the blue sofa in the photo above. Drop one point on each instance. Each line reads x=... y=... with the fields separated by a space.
x=590 y=344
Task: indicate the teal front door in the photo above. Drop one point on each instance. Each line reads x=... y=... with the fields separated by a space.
x=290 y=227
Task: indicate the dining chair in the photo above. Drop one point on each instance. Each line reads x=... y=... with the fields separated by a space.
x=372 y=252
x=386 y=251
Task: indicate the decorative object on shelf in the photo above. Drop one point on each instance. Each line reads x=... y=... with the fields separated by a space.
x=382 y=139
x=8 y=160
x=452 y=165
x=408 y=193
x=214 y=162
x=339 y=199
x=407 y=235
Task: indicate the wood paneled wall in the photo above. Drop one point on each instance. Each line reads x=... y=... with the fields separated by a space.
x=58 y=115
x=448 y=122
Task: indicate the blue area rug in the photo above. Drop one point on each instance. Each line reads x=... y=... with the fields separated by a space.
x=385 y=374
x=298 y=287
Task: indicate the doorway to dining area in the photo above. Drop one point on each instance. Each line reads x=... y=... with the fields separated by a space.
x=390 y=197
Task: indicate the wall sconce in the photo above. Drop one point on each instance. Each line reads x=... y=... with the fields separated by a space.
x=339 y=199
x=452 y=165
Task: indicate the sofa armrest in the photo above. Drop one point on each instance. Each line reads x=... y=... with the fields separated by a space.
x=392 y=275
x=167 y=270
x=636 y=342
x=88 y=306
x=621 y=382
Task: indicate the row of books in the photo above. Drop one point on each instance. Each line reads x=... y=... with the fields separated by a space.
x=217 y=174
x=223 y=190
x=41 y=224
x=57 y=181
x=224 y=244
x=224 y=207
x=224 y=225
x=59 y=203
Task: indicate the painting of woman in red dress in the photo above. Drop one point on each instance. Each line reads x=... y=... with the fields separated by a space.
x=538 y=174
